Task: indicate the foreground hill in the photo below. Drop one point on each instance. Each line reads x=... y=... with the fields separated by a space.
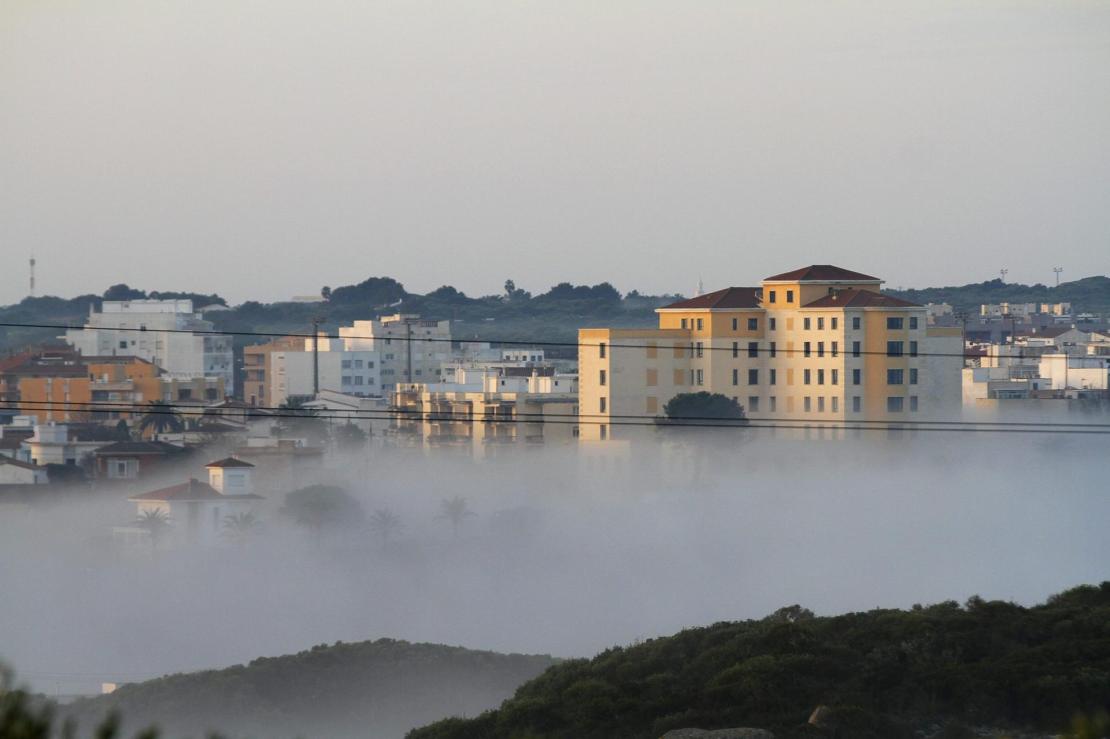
x=371 y=690
x=885 y=673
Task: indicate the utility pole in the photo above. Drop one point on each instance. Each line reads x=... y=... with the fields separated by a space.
x=316 y=321
x=1057 y=270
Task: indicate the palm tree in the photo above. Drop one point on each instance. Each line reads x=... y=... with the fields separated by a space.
x=156 y=522
x=160 y=417
x=456 y=511
x=240 y=527
x=384 y=523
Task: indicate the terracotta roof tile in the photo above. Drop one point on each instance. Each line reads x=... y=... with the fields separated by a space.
x=229 y=462
x=860 y=299
x=822 y=273
x=729 y=298
x=186 y=491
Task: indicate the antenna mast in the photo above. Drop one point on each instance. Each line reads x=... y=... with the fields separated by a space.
x=32 y=293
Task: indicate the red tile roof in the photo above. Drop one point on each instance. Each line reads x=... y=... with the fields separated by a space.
x=860 y=299
x=229 y=462
x=186 y=491
x=729 y=298
x=822 y=273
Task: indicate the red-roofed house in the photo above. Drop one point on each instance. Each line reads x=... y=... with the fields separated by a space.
x=195 y=511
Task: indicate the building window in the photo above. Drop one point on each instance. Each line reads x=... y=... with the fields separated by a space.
x=820 y=377
x=753 y=403
x=913 y=322
x=736 y=377
x=834 y=320
x=835 y=378
x=601 y=378
x=807 y=404
x=820 y=348
x=735 y=324
x=701 y=377
x=735 y=349
x=603 y=431
x=855 y=404
x=772 y=349
x=771 y=324
x=773 y=296
x=602 y=405
x=835 y=404
x=820 y=323
x=699 y=348
x=345 y=380
x=773 y=402
x=856 y=376
x=855 y=349
x=821 y=404
x=835 y=348
x=345 y=364
x=753 y=349
x=894 y=377
x=805 y=349
x=789 y=296
x=894 y=404
x=358 y=379
x=913 y=375
x=894 y=323
x=855 y=323
x=913 y=348
x=805 y=323
x=601 y=350
x=806 y=374
x=753 y=377
x=913 y=404
x=699 y=324
x=894 y=348
x=753 y=324
x=683 y=323
x=772 y=376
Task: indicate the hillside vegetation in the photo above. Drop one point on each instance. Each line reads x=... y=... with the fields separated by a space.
x=371 y=690
x=515 y=315
x=881 y=674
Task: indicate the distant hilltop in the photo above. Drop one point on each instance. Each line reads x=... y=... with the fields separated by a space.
x=512 y=315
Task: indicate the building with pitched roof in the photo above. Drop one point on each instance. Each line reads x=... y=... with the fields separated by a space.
x=194 y=511
x=819 y=344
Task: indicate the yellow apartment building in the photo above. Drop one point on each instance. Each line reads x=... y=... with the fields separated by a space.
x=817 y=345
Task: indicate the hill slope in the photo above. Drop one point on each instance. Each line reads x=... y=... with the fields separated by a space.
x=372 y=690
x=883 y=674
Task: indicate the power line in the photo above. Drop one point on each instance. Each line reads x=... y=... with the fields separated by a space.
x=374 y=413
x=892 y=425
x=686 y=347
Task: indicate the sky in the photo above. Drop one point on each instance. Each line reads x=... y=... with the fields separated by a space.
x=264 y=149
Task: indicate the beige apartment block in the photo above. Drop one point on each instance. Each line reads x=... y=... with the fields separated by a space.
x=819 y=345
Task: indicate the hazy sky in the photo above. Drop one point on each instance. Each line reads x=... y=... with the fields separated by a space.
x=263 y=149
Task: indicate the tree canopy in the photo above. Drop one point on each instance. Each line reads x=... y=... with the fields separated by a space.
x=883 y=674
x=703 y=406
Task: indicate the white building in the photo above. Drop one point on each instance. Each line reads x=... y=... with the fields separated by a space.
x=15 y=472
x=50 y=444
x=161 y=332
x=195 y=512
x=355 y=372
x=412 y=349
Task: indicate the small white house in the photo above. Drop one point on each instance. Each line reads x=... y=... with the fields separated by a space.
x=196 y=512
x=16 y=472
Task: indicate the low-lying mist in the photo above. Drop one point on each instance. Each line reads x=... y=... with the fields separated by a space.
x=567 y=552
